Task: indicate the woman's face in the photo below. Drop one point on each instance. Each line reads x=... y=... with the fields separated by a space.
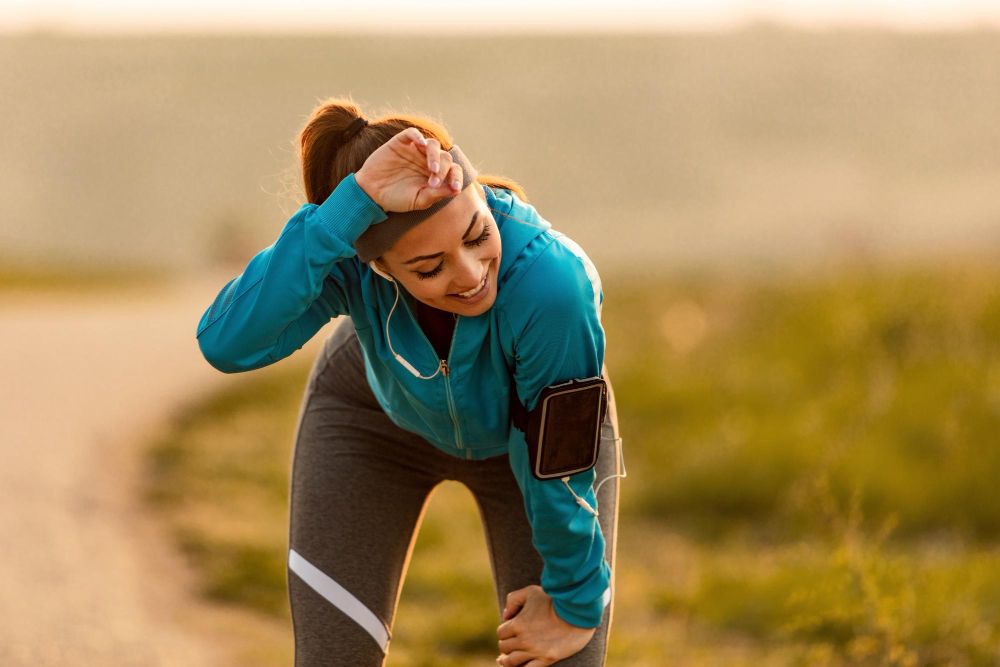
x=448 y=253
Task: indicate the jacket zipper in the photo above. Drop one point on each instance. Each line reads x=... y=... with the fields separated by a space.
x=446 y=372
x=452 y=410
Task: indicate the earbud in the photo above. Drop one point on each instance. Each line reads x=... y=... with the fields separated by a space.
x=406 y=364
x=380 y=271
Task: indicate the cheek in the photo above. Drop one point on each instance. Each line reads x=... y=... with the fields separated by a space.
x=497 y=248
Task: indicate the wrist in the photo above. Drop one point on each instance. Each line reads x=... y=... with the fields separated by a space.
x=361 y=178
x=580 y=617
x=349 y=211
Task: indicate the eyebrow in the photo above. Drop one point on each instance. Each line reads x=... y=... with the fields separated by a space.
x=438 y=254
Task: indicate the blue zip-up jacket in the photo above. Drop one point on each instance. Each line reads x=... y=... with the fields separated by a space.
x=543 y=328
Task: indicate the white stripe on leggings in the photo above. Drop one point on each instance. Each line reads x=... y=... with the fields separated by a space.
x=339 y=597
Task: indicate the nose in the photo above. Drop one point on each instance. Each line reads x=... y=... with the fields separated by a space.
x=468 y=273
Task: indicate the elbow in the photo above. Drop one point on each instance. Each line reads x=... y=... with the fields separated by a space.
x=215 y=355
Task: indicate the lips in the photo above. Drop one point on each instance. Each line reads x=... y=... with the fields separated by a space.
x=478 y=296
x=459 y=294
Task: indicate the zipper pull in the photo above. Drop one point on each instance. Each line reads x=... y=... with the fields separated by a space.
x=444 y=367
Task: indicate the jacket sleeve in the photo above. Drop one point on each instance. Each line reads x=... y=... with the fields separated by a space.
x=559 y=337
x=291 y=288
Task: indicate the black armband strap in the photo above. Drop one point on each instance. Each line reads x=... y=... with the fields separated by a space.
x=563 y=431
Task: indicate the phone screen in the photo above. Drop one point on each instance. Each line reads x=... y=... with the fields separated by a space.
x=570 y=431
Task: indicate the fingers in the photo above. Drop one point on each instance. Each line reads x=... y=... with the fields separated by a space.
x=412 y=146
x=443 y=189
x=449 y=186
x=506 y=630
x=412 y=135
x=433 y=156
x=455 y=178
x=514 y=659
x=515 y=600
x=511 y=644
x=439 y=163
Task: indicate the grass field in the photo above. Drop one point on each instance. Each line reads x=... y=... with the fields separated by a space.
x=812 y=468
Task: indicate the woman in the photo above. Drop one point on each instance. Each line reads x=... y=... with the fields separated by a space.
x=494 y=301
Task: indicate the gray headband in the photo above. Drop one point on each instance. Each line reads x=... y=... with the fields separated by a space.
x=380 y=236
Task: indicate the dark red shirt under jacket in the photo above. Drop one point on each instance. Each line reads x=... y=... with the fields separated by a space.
x=439 y=325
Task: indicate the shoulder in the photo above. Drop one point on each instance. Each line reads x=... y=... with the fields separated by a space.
x=558 y=280
x=553 y=326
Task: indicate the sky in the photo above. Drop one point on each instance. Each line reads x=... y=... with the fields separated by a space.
x=214 y=16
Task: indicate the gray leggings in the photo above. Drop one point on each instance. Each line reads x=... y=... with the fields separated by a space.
x=359 y=487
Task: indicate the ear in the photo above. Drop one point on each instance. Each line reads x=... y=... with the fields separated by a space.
x=380 y=268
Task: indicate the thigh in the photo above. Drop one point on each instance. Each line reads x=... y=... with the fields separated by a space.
x=513 y=557
x=359 y=487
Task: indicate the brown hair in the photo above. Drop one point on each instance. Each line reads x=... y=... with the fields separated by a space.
x=325 y=163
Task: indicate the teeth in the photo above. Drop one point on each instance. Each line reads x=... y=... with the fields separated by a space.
x=474 y=291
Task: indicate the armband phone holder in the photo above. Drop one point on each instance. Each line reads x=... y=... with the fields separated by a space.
x=563 y=431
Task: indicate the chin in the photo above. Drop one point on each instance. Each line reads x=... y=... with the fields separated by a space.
x=472 y=309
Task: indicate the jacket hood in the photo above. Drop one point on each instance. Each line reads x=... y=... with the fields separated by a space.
x=518 y=223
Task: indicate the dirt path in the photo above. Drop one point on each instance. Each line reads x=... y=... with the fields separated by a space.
x=87 y=577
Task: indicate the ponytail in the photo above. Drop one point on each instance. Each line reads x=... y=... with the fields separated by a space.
x=327 y=159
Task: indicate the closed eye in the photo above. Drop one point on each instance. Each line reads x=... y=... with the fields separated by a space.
x=422 y=275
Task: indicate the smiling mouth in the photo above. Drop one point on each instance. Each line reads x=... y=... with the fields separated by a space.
x=475 y=290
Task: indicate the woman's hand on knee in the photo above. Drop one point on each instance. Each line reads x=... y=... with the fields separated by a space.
x=533 y=635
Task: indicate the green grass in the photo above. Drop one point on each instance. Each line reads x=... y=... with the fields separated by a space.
x=221 y=476
x=885 y=383
x=811 y=468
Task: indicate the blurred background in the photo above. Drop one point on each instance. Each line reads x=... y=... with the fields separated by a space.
x=795 y=211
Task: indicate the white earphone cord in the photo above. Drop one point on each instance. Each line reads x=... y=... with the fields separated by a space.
x=579 y=501
x=398 y=357
x=583 y=503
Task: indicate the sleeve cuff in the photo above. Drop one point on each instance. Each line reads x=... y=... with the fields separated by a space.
x=349 y=211
x=586 y=615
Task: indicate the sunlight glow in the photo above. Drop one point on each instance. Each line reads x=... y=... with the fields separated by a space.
x=187 y=16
